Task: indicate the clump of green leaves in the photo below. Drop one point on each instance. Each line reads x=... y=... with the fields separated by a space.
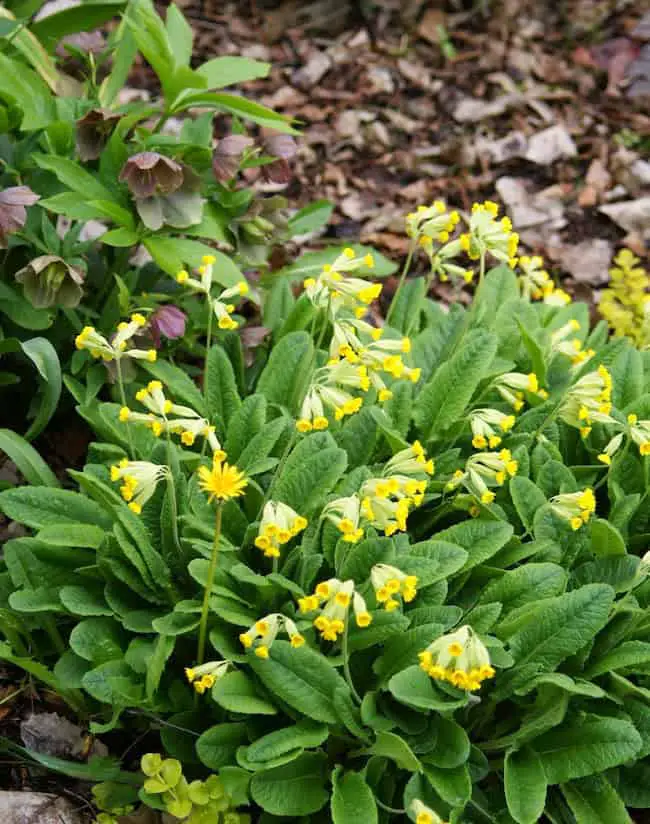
x=375 y=572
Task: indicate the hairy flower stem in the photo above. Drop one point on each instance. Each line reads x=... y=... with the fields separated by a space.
x=173 y=502
x=346 y=660
x=120 y=384
x=208 y=344
x=203 y=626
x=402 y=278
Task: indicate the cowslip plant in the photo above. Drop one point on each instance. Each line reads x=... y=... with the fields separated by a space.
x=380 y=571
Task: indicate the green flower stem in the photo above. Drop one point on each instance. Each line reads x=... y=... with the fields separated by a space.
x=208 y=344
x=388 y=809
x=617 y=460
x=173 y=503
x=346 y=659
x=402 y=278
x=203 y=626
x=120 y=384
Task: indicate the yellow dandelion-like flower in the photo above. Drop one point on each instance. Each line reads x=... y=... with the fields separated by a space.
x=223 y=481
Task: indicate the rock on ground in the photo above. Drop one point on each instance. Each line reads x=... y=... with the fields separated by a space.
x=37 y=808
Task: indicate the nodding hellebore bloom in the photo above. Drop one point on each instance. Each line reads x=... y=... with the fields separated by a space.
x=279 y=524
x=221 y=306
x=389 y=583
x=485 y=468
x=588 y=400
x=424 y=814
x=139 y=481
x=50 y=281
x=117 y=347
x=576 y=507
x=334 y=598
x=204 y=677
x=536 y=283
x=13 y=211
x=512 y=387
x=187 y=423
x=334 y=290
x=572 y=348
x=222 y=482
x=263 y=633
x=488 y=425
x=459 y=658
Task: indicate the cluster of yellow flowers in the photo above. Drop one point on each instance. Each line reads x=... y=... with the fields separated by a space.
x=333 y=599
x=576 y=507
x=487 y=234
x=625 y=304
x=459 y=658
x=187 y=423
x=536 y=283
x=139 y=481
x=221 y=306
x=513 y=386
x=638 y=431
x=390 y=582
x=573 y=348
x=486 y=424
x=205 y=676
x=358 y=356
x=263 y=633
x=279 y=524
x=118 y=346
x=384 y=501
x=483 y=469
x=588 y=400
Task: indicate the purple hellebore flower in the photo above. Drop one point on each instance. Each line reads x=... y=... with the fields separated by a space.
x=12 y=210
x=93 y=132
x=227 y=156
x=150 y=173
x=168 y=321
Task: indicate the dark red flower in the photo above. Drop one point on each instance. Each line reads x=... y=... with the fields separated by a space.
x=283 y=148
x=93 y=131
x=227 y=156
x=150 y=173
x=167 y=321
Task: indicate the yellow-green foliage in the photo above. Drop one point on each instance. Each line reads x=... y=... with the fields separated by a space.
x=624 y=305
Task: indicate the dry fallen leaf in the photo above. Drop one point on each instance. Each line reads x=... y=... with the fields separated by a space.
x=550 y=145
x=631 y=215
x=589 y=261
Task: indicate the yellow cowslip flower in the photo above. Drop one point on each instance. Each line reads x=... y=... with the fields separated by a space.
x=262 y=634
x=640 y=434
x=139 y=481
x=329 y=390
x=410 y=461
x=486 y=235
x=588 y=400
x=424 y=814
x=188 y=423
x=117 y=347
x=387 y=501
x=389 y=583
x=624 y=304
x=488 y=425
x=345 y=514
x=512 y=387
x=485 y=468
x=222 y=481
x=576 y=507
x=459 y=658
x=279 y=524
x=337 y=597
x=431 y=221
x=204 y=677
x=564 y=342
x=612 y=447
x=335 y=290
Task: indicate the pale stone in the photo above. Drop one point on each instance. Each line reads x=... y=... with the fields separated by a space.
x=37 y=808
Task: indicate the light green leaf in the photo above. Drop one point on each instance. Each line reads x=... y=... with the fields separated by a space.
x=559 y=627
x=236 y=692
x=311 y=218
x=39 y=506
x=453 y=786
x=285 y=372
x=73 y=176
x=226 y=71
x=453 y=745
x=85 y=16
x=594 y=801
x=303 y=735
x=586 y=746
x=179 y=33
x=525 y=785
x=480 y=538
x=98 y=640
x=217 y=746
x=236 y=105
x=606 y=540
x=389 y=745
x=414 y=688
x=222 y=397
x=310 y=472
x=530 y=582
x=180 y=387
x=627 y=654
x=173 y=254
x=292 y=790
x=311 y=263
x=44 y=357
x=352 y=799
x=444 y=399
x=527 y=498
x=19 y=84
x=402 y=650
x=29 y=462
x=302 y=678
